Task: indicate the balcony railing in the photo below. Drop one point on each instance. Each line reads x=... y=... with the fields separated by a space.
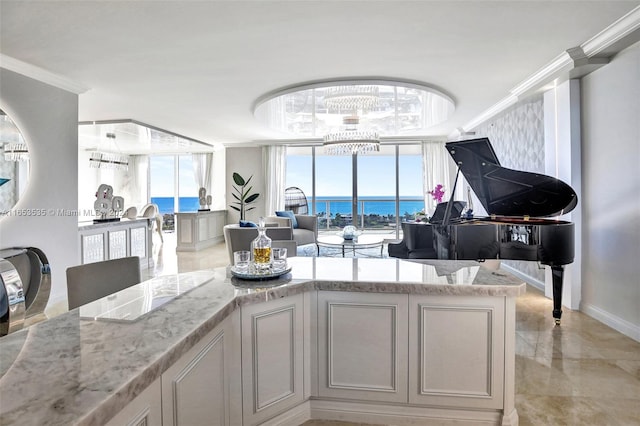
x=377 y=215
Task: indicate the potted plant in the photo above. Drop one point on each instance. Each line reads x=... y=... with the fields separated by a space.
x=241 y=194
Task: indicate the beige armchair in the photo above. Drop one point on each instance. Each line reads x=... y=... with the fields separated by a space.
x=237 y=238
x=305 y=233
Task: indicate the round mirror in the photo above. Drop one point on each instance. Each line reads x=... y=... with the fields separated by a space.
x=14 y=164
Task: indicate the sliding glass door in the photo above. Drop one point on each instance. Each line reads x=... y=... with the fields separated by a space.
x=374 y=192
x=172 y=186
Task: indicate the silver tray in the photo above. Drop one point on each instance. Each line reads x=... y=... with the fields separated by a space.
x=261 y=276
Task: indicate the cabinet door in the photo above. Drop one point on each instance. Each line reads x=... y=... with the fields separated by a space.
x=456 y=351
x=144 y=410
x=362 y=346
x=272 y=358
x=200 y=388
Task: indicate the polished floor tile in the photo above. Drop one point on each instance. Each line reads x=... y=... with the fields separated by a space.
x=580 y=373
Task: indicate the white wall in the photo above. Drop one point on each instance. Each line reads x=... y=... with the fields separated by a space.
x=48 y=119
x=246 y=162
x=611 y=192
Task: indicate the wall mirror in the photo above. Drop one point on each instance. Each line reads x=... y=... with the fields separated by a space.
x=14 y=164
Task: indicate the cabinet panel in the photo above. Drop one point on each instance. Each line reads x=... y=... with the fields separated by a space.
x=144 y=410
x=186 y=231
x=272 y=357
x=456 y=351
x=362 y=346
x=197 y=388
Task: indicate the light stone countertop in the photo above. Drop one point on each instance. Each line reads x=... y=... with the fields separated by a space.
x=77 y=369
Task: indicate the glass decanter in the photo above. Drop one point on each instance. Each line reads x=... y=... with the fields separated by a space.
x=261 y=249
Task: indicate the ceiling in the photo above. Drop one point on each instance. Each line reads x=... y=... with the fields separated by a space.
x=197 y=68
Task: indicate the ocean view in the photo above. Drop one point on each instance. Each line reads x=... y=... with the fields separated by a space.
x=382 y=206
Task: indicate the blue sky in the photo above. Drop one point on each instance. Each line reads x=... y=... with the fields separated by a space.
x=162 y=176
x=375 y=175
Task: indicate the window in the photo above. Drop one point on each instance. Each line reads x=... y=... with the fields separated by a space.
x=372 y=189
x=172 y=185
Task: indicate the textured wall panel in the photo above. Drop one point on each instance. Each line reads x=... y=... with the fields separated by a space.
x=517 y=136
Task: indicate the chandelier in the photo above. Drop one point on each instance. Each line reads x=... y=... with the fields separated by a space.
x=16 y=151
x=351 y=140
x=108 y=160
x=351 y=97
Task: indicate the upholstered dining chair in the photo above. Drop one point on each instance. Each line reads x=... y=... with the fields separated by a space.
x=130 y=213
x=152 y=211
x=92 y=281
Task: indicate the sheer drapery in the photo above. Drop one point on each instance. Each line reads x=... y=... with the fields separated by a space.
x=202 y=165
x=134 y=184
x=435 y=170
x=274 y=165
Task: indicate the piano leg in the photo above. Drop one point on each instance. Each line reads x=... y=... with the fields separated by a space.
x=557 y=273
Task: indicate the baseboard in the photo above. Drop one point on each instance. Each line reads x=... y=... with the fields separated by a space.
x=524 y=277
x=398 y=415
x=293 y=417
x=617 y=323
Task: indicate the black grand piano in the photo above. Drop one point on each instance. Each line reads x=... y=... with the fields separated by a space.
x=515 y=229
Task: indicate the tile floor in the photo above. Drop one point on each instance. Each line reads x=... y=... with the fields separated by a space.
x=581 y=373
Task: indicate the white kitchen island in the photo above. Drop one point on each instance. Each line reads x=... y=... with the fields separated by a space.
x=366 y=340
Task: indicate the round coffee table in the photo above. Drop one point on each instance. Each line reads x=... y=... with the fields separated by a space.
x=363 y=241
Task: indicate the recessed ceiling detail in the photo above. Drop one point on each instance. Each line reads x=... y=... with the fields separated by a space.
x=308 y=111
x=130 y=137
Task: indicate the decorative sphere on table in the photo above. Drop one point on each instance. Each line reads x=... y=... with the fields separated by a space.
x=349 y=232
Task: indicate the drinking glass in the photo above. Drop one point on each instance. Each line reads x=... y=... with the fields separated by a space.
x=241 y=260
x=279 y=258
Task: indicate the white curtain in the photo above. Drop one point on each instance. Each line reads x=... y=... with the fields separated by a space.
x=133 y=186
x=202 y=165
x=435 y=169
x=274 y=166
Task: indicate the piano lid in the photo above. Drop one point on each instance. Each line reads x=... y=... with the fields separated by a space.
x=507 y=192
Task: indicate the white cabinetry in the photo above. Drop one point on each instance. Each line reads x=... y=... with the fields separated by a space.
x=144 y=410
x=113 y=240
x=272 y=358
x=202 y=387
x=360 y=357
x=199 y=230
x=362 y=342
x=456 y=351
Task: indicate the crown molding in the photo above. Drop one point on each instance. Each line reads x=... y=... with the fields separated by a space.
x=41 y=75
x=495 y=109
x=623 y=27
x=572 y=63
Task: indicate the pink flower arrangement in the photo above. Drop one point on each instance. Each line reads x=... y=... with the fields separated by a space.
x=437 y=193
